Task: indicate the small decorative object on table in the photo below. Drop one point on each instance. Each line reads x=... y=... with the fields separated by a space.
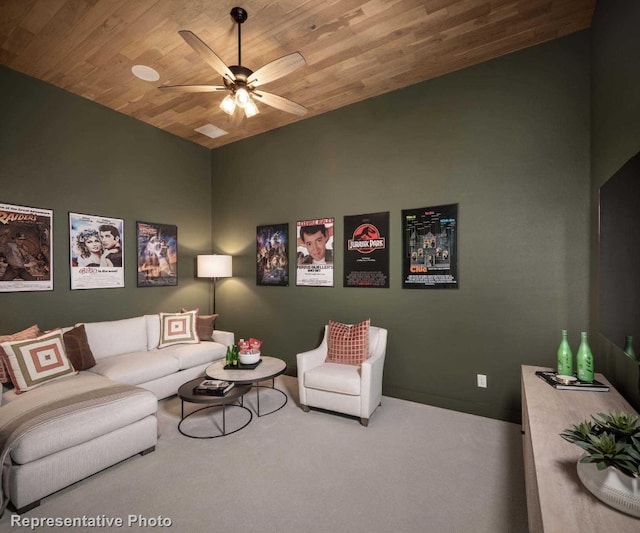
x=584 y=359
x=249 y=351
x=565 y=357
x=610 y=468
x=562 y=382
x=213 y=387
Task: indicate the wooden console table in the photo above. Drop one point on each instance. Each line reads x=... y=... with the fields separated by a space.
x=557 y=502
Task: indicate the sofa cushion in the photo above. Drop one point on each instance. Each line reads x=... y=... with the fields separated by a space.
x=79 y=426
x=34 y=362
x=136 y=367
x=178 y=328
x=334 y=377
x=348 y=344
x=78 y=349
x=115 y=337
x=153 y=330
x=190 y=355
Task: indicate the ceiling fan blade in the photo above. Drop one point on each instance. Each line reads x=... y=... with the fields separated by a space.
x=207 y=54
x=276 y=69
x=193 y=88
x=283 y=104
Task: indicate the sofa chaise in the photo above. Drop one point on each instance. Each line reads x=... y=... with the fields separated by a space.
x=65 y=430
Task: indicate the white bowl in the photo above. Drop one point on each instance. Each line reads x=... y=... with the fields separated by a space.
x=248 y=358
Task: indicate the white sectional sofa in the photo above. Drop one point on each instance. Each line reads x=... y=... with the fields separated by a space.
x=63 y=431
x=127 y=351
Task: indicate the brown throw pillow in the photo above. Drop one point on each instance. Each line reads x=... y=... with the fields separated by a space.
x=205 y=324
x=29 y=333
x=78 y=349
x=348 y=343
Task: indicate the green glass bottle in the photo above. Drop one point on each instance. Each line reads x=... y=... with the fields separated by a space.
x=229 y=358
x=584 y=359
x=235 y=355
x=628 y=347
x=565 y=357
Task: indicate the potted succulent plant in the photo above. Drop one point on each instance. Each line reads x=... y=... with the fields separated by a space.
x=610 y=467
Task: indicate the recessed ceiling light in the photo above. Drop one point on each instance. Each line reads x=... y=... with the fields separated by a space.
x=145 y=73
x=211 y=131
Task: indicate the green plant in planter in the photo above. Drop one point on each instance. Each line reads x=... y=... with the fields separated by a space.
x=611 y=439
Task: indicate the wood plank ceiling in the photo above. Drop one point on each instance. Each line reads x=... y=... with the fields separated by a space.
x=354 y=49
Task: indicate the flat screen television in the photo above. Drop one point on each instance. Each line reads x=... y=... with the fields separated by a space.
x=619 y=283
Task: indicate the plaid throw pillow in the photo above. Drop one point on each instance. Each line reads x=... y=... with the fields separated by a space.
x=34 y=362
x=178 y=328
x=29 y=333
x=348 y=343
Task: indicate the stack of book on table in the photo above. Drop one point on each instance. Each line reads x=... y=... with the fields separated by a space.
x=213 y=387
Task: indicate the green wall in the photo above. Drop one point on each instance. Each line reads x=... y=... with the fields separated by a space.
x=508 y=141
x=615 y=139
x=65 y=153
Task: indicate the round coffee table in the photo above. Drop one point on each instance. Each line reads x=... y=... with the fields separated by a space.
x=268 y=369
x=185 y=392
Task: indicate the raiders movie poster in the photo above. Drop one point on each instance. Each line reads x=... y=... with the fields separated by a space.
x=430 y=248
x=272 y=255
x=96 y=251
x=26 y=248
x=157 y=246
x=314 y=261
x=366 y=250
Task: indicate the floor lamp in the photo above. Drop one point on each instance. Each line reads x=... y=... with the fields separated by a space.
x=214 y=267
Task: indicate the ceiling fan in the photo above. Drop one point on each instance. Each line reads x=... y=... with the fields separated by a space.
x=241 y=81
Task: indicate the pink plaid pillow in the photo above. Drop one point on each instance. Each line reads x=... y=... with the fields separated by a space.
x=348 y=343
x=29 y=333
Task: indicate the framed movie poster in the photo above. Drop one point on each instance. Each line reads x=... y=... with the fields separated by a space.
x=272 y=255
x=157 y=250
x=430 y=247
x=314 y=258
x=26 y=248
x=97 y=251
x=366 y=250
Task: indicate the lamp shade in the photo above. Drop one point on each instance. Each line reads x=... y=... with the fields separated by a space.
x=214 y=266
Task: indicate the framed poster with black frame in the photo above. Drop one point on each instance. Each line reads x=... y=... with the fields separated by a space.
x=272 y=255
x=430 y=247
x=366 y=250
x=157 y=251
x=26 y=248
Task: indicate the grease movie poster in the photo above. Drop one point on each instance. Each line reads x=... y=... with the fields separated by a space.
x=366 y=250
x=97 y=251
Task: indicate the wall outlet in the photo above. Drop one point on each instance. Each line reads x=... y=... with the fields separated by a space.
x=482 y=381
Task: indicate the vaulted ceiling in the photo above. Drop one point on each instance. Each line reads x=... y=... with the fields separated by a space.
x=354 y=50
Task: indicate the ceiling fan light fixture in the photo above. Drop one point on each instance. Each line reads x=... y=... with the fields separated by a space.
x=251 y=109
x=242 y=97
x=228 y=104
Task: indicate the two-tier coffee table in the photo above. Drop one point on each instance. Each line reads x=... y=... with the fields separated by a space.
x=233 y=398
x=268 y=369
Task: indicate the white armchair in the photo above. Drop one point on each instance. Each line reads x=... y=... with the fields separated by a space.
x=348 y=389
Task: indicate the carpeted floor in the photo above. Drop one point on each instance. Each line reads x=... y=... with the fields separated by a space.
x=416 y=468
